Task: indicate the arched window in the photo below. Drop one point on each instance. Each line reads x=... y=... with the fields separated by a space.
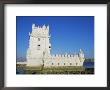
x=52 y=63
x=64 y=63
x=70 y=63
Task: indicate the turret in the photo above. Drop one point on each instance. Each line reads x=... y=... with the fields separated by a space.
x=39 y=45
x=81 y=55
x=33 y=26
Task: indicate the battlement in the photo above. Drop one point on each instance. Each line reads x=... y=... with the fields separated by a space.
x=40 y=30
x=67 y=56
x=44 y=27
x=80 y=54
x=64 y=60
x=63 y=55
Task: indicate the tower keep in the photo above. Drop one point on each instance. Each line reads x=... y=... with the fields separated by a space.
x=39 y=45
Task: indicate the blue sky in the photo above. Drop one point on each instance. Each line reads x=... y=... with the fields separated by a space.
x=68 y=33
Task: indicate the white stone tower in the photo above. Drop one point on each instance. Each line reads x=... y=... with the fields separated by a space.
x=39 y=45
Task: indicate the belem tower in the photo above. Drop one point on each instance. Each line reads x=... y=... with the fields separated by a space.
x=38 y=52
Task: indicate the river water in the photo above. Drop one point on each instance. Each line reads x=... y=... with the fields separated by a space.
x=86 y=65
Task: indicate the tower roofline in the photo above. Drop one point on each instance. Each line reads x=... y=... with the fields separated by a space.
x=43 y=27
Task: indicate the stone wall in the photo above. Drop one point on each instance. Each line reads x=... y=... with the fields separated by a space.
x=62 y=60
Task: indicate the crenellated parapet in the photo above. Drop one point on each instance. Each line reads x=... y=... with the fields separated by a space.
x=62 y=56
x=40 y=31
x=80 y=54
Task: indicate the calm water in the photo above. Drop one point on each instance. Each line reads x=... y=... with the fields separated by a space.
x=86 y=65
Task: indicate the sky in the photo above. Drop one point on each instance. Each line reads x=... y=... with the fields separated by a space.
x=68 y=34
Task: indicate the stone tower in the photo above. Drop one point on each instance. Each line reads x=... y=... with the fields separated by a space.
x=39 y=45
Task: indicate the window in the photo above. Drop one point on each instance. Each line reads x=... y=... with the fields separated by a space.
x=58 y=63
x=64 y=63
x=52 y=63
x=49 y=47
x=76 y=64
x=38 y=39
x=70 y=63
x=38 y=47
